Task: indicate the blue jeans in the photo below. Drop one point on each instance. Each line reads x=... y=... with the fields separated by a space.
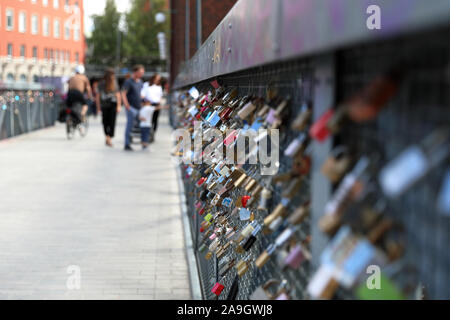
x=131 y=117
x=145 y=134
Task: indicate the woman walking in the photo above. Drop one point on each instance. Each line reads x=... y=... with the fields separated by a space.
x=153 y=94
x=109 y=103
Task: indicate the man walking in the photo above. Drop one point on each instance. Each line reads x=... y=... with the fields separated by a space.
x=131 y=97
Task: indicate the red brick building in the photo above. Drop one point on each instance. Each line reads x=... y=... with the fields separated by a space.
x=187 y=33
x=40 y=38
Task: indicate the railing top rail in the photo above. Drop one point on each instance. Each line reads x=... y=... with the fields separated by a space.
x=259 y=32
x=25 y=87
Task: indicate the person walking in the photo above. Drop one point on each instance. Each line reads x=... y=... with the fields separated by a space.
x=131 y=97
x=154 y=94
x=108 y=102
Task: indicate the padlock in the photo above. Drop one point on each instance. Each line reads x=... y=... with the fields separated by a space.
x=295 y=257
x=299 y=215
x=246 y=111
x=366 y=105
x=208 y=255
x=279 y=211
x=282 y=177
x=266 y=195
x=217 y=289
x=301 y=165
x=226 y=268
x=292 y=188
x=265 y=256
x=255 y=192
x=242 y=268
x=244 y=201
x=337 y=164
x=240 y=180
x=323 y=284
x=302 y=119
x=297 y=146
x=329 y=123
x=252 y=239
x=202 y=247
x=201 y=182
x=415 y=163
x=249 y=186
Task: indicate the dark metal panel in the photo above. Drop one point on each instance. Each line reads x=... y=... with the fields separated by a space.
x=259 y=32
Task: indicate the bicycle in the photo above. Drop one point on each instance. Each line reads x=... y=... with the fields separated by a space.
x=74 y=122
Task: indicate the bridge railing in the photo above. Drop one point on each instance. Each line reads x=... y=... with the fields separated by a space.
x=24 y=110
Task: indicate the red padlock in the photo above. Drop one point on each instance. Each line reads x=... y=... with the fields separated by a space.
x=319 y=129
x=245 y=200
x=202 y=211
x=217 y=289
x=201 y=181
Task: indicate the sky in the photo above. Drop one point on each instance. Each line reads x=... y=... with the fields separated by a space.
x=97 y=7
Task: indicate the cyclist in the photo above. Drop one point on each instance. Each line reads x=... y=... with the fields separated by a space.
x=78 y=85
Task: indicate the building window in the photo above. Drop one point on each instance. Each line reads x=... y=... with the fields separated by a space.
x=33 y=1
x=35 y=79
x=10 y=50
x=76 y=34
x=66 y=32
x=23 y=78
x=9 y=19
x=35 y=52
x=56 y=4
x=10 y=77
x=77 y=57
x=56 y=28
x=45 y=3
x=22 y=22
x=34 y=24
x=68 y=57
x=51 y=54
x=56 y=56
x=45 y=53
x=22 y=51
x=46 y=26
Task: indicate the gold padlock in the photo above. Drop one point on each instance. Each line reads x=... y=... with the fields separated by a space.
x=279 y=211
x=337 y=164
x=293 y=188
x=329 y=223
x=255 y=193
x=262 y=260
x=240 y=180
x=299 y=215
x=250 y=185
x=242 y=269
x=208 y=255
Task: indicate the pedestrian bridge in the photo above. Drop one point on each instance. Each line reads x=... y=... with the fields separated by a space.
x=79 y=220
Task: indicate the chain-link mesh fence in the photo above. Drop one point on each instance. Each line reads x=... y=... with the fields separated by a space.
x=23 y=111
x=420 y=106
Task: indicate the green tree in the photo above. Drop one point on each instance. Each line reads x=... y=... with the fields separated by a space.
x=140 y=42
x=104 y=39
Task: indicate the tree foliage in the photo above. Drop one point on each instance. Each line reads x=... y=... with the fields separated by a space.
x=139 y=43
x=104 y=39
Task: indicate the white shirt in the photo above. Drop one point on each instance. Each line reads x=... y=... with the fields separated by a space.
x=152 y=93
x=146 y=113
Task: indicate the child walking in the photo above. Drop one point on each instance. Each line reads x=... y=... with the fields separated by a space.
x=145 y=117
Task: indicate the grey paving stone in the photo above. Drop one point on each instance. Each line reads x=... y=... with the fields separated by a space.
x=115 y=215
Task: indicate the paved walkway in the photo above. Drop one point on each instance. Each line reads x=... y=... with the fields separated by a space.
x=114 y=216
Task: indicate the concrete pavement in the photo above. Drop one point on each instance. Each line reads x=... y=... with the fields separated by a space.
x=113 y=216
